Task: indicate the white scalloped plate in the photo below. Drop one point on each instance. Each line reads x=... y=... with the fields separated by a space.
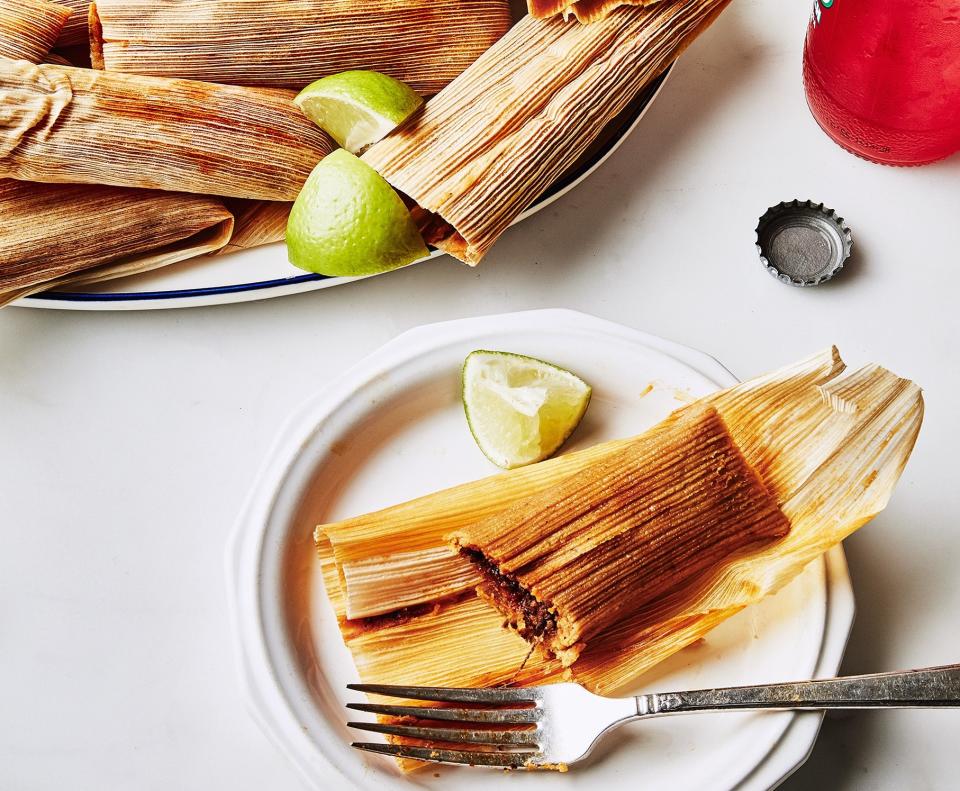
x=392 y=428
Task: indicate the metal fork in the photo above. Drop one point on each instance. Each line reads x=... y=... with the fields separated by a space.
x=559 y=724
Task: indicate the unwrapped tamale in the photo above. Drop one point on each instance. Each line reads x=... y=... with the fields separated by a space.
x=494 y=139
x=29 y=28
x=669 y=508
x=72 y=125
x=290 y=43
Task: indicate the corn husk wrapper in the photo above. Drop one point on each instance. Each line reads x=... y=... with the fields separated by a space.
x=829 y=449
x=585 y=11
x=85 y=126
x=257 y=223
x=291 y=43
x=60 y=234
x=493 y=140
x=74 y=32
x=29 y=28
x=676 y=504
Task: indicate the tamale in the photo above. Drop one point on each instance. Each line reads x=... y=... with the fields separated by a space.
x=54 y=234
x=84 y=126
x=75 y=32
x=406 y=543
x=494 y=139
x=58 y=234
x=673 y=506
x=29 y=28
x=257 y=223
x=290 y=43
x=828 y=448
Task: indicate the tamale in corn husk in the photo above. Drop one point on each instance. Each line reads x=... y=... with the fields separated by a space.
x=257 y=223
x=494 y=139
x=56 y=234
x=828 y=448
x=290 y=43
x=675 y=504
x=71 y=125
x=29 y=28
x=74 y=32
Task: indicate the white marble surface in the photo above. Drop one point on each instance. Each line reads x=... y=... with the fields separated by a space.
x=129 y=439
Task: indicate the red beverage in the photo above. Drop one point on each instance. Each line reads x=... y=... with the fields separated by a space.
x=883 y=77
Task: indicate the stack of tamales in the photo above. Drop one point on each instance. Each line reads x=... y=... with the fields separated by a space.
x=607 y=561
x=107 y=173
x=194 y=97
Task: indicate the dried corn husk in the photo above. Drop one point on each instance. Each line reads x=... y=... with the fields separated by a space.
x=74 y=32
x=85 y=126
x=290 y=43
x=257 y=223
x=584 y=10
x=494 y=139
x=60 y=234
x=674 y=505
x=587 y=11
x=56 y=234
x=29 y=28
x=828 y=448
x=405 y=548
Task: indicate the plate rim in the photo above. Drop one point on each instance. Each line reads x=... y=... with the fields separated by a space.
x=297 y=284
x=258 y=679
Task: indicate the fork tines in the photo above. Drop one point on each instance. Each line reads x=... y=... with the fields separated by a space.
x=505 y=721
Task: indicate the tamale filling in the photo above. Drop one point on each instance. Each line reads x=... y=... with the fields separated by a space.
x=532 y=619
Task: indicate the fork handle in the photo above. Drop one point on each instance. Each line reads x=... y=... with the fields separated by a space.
x=932 y=686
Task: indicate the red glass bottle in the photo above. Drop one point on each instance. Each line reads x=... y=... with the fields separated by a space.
x=883 y=77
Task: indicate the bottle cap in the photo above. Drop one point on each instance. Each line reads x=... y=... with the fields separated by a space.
x=803 y=243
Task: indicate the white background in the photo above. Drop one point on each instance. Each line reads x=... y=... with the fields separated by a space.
x=129 y=439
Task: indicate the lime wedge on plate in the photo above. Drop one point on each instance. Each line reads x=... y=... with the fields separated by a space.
x=358 y=108
x=519 y=409
x=348 y=221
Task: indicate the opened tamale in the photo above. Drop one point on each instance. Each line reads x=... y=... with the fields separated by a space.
x=290 y=43
x=29 y=28
x=85 y=126
x=494 y=139
x=667 y=509
x=54 y=234
x=829 y=449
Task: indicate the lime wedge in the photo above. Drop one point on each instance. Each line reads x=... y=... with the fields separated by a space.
x=519 y=409
x=358 y=108
x=348 y=221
